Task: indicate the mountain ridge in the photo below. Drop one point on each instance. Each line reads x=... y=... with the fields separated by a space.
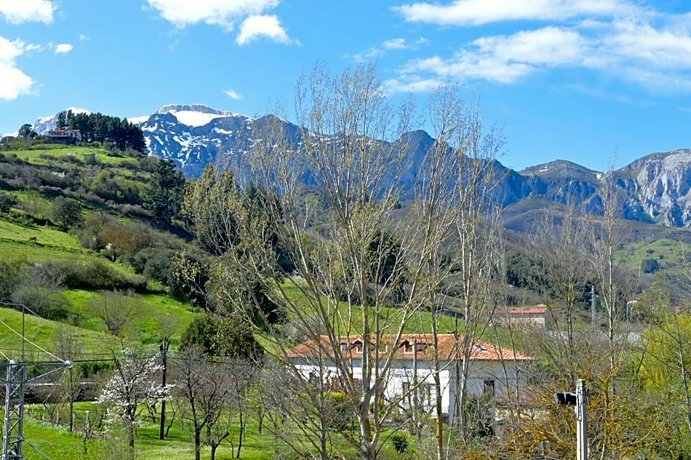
x=654 y=188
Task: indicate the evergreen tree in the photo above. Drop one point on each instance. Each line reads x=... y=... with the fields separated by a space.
x=164 y=194
x=27 y=132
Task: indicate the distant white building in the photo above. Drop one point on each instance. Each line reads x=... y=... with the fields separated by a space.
x=494 y=370
x=64 y=136
x=533 y=316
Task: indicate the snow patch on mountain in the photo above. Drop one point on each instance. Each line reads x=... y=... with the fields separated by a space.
x=194 y=115
x=44 y=124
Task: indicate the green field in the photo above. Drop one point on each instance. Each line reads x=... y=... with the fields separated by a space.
x=149 y=308
x=60 y=444
x=672 y=256
x=45 y=237
x=58 y=155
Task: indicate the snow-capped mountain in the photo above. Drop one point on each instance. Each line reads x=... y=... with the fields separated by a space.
x=653 y=189
x=43 y=124
x=195 y=135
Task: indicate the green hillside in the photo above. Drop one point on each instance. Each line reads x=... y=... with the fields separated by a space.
x=74 y=222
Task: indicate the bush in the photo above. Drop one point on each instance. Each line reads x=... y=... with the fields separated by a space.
x=115 y=309
x=400 y=442
x=66 y=213
x=337 y=412
x=155 y=263
x=7 y=201
x=10 y=276
x=218 y=336
x=44 y=301
x=650 y=266
x=92 y=276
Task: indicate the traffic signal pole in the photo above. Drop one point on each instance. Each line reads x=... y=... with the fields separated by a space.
x=578 y=402
x=581 y=422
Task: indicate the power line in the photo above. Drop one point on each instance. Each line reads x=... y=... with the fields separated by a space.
x=32 y=343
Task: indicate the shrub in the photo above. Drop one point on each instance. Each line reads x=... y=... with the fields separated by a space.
x=155 y=263
x=66 y=213
x=222 y=336
x=44 y=301
x=10 y=276
x=92 y=276
x=7 y=201
x=338 y=416
x=115 y=309
x=650 y=266
x=400 y=442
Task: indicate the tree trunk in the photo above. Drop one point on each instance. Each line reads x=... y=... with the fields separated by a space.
x=130 y=439
x=240 y=435
x=71 y=396
x=197 y=443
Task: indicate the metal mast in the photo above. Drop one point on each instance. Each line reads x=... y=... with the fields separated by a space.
x=13 y=426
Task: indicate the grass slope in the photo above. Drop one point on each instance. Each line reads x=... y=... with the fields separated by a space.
x=44 y=333
x=149 y=309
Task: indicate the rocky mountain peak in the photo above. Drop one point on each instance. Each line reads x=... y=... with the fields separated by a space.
x=200 y=108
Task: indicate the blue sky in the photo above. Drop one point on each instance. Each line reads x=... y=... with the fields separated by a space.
x=598 y=82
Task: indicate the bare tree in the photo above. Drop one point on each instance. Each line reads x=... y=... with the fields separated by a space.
x=363 y=266
x=211 y=388
x=558 y=248
x=167 y=325
x=68 y=346
x=116 y=309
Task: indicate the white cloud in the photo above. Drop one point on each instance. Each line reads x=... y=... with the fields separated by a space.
x=83 y=38
x=234 y=95
x=224 y=13
x=388 y=45
x=14 y=81
x=414 y=85
x=505 y=59
x=478 y=12
x=17 y=12
x=665 y=47
x=394 y=44
x=62 y=48
x=614 y=38
x=262 y=26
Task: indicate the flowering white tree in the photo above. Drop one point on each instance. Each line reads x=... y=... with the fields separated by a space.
x=132 y=385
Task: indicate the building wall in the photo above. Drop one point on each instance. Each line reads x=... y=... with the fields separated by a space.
x=485 y=376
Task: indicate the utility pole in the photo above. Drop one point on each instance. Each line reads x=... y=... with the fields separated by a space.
x=578 y=401
x=592 y=304
x=164 y=358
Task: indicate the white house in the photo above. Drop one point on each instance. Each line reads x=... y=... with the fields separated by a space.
x=494 y=370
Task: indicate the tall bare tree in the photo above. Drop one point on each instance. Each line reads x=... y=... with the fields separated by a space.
x=363 y=266
x=211 y=387
x=559 y=248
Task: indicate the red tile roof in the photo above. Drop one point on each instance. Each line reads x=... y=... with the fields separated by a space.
x=447 y=343
x=521 y=311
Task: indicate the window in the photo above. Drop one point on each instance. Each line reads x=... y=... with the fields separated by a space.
x=488 y=387
x=358 y=346
x=345 y=346
x=422 y=396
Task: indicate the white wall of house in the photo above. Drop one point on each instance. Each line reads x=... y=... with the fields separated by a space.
x=485 y=376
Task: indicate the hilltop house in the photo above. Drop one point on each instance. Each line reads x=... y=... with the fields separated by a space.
x=63 y=136
x=494 y=370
